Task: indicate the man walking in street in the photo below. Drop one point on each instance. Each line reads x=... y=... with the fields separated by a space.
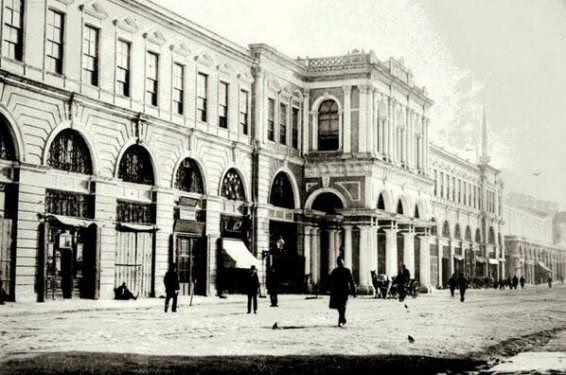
x=171 y=281
x=273 y=286
x=462 y=285
x=452 y=284
x=402 y=279
x=515 y=282
x=341 y=285
x=252 y=289
x=522 y=282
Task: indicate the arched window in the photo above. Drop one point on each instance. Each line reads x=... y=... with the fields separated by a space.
x=328 y=126
x=457 y=233
x=136 y=167
x=400 y=207
x=433 y=230
x=232 y=186
x=468 y=233
x=478 y=236
x=282 y=192
x=491 y=238
x=188 y=177
x=7 y=151
x=69 y=152
x=328 y=203
x=381 y=203
x=446 y=230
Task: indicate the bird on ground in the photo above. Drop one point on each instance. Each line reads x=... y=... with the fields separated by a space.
x=275 y=326
x=411 y=339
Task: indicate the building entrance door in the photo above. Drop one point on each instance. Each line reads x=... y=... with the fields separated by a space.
x=133 y=261
x=6 y=254
x=191 y=264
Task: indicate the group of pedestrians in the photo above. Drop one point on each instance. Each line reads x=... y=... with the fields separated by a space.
x=460 y=282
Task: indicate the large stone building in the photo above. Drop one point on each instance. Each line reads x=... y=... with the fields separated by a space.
x=131 y=138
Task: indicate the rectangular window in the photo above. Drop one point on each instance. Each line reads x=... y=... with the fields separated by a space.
x=12 y=31
x=90 y=55
x=453 y=189
x=295 y=130
x=441 y=184
x=271 y=119
x=178 y=88
x=123 y=68
x=223 y=105
x=54 y=42
x=448 y=187
x=152 y=75
x=244 y=112
x=435 y=183
x=283 y=124
x=202 y=96
x=459 y=191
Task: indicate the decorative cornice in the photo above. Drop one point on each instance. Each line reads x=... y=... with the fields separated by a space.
x=180 y=48
x=155 y=36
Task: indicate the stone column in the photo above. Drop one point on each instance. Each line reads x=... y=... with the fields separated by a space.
x=409 y=251
x=165 y=202
x=307 y=249
x=331 y=250
x=315 y=256
x=347 y=246
x=346 y=118
x=364 y=248
x=451 y=256
x=391 y=252
x=440 y=255
x=373 y=249
x=425 y=260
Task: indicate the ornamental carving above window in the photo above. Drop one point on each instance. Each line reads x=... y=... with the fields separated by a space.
x=69 y=152
x=232 y=186
x=189 y=178
x=69 y=204
x=136 y=167
x=282 y=192
x=7 y=151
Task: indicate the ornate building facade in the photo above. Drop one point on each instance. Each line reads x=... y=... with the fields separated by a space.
x=131 y=138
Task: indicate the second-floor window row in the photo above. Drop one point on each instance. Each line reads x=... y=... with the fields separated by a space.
x=54 y=42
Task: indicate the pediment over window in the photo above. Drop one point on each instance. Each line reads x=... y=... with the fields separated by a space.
x=274 y=85
x=95 y=9
x=66 y=2
x=127 y=23
x=205 y=59
x=226 y=68
x=180 y=48
x=246 y=77
x=155 y=36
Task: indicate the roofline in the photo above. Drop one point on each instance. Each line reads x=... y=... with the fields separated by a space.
x=454 y=157
x=190 y=26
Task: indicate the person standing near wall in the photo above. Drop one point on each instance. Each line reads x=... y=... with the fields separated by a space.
x=252 y=289
x=171 y=281
x=341 y=285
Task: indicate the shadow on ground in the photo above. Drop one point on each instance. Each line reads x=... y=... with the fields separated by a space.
x=108 y=363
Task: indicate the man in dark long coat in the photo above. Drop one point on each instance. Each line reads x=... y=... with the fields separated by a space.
x=462 y=283
x=273 y=286
x=341 y=285
x=252 y=289
x=171 y=281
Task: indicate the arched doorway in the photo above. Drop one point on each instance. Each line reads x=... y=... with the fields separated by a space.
x=330 y=232
x=8 y=198
x=235 y=231
x=71 y=251
x=284 y=264
x=135 y=244
x=190 y=250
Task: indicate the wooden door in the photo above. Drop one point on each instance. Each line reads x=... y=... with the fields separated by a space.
x=6 y=254
x=133 y=262
x=185 y=261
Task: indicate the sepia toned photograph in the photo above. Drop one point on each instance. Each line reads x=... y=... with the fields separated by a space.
x=282 y=187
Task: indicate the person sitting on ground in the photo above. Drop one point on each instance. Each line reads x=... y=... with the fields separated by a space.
x=123 y=293
x=2 y=292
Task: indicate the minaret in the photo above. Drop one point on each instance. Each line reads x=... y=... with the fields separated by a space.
x=484 y=159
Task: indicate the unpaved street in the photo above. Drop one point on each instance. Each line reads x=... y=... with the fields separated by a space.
x=440 y=325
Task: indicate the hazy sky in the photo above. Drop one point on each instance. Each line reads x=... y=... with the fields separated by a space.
x=507 y=56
